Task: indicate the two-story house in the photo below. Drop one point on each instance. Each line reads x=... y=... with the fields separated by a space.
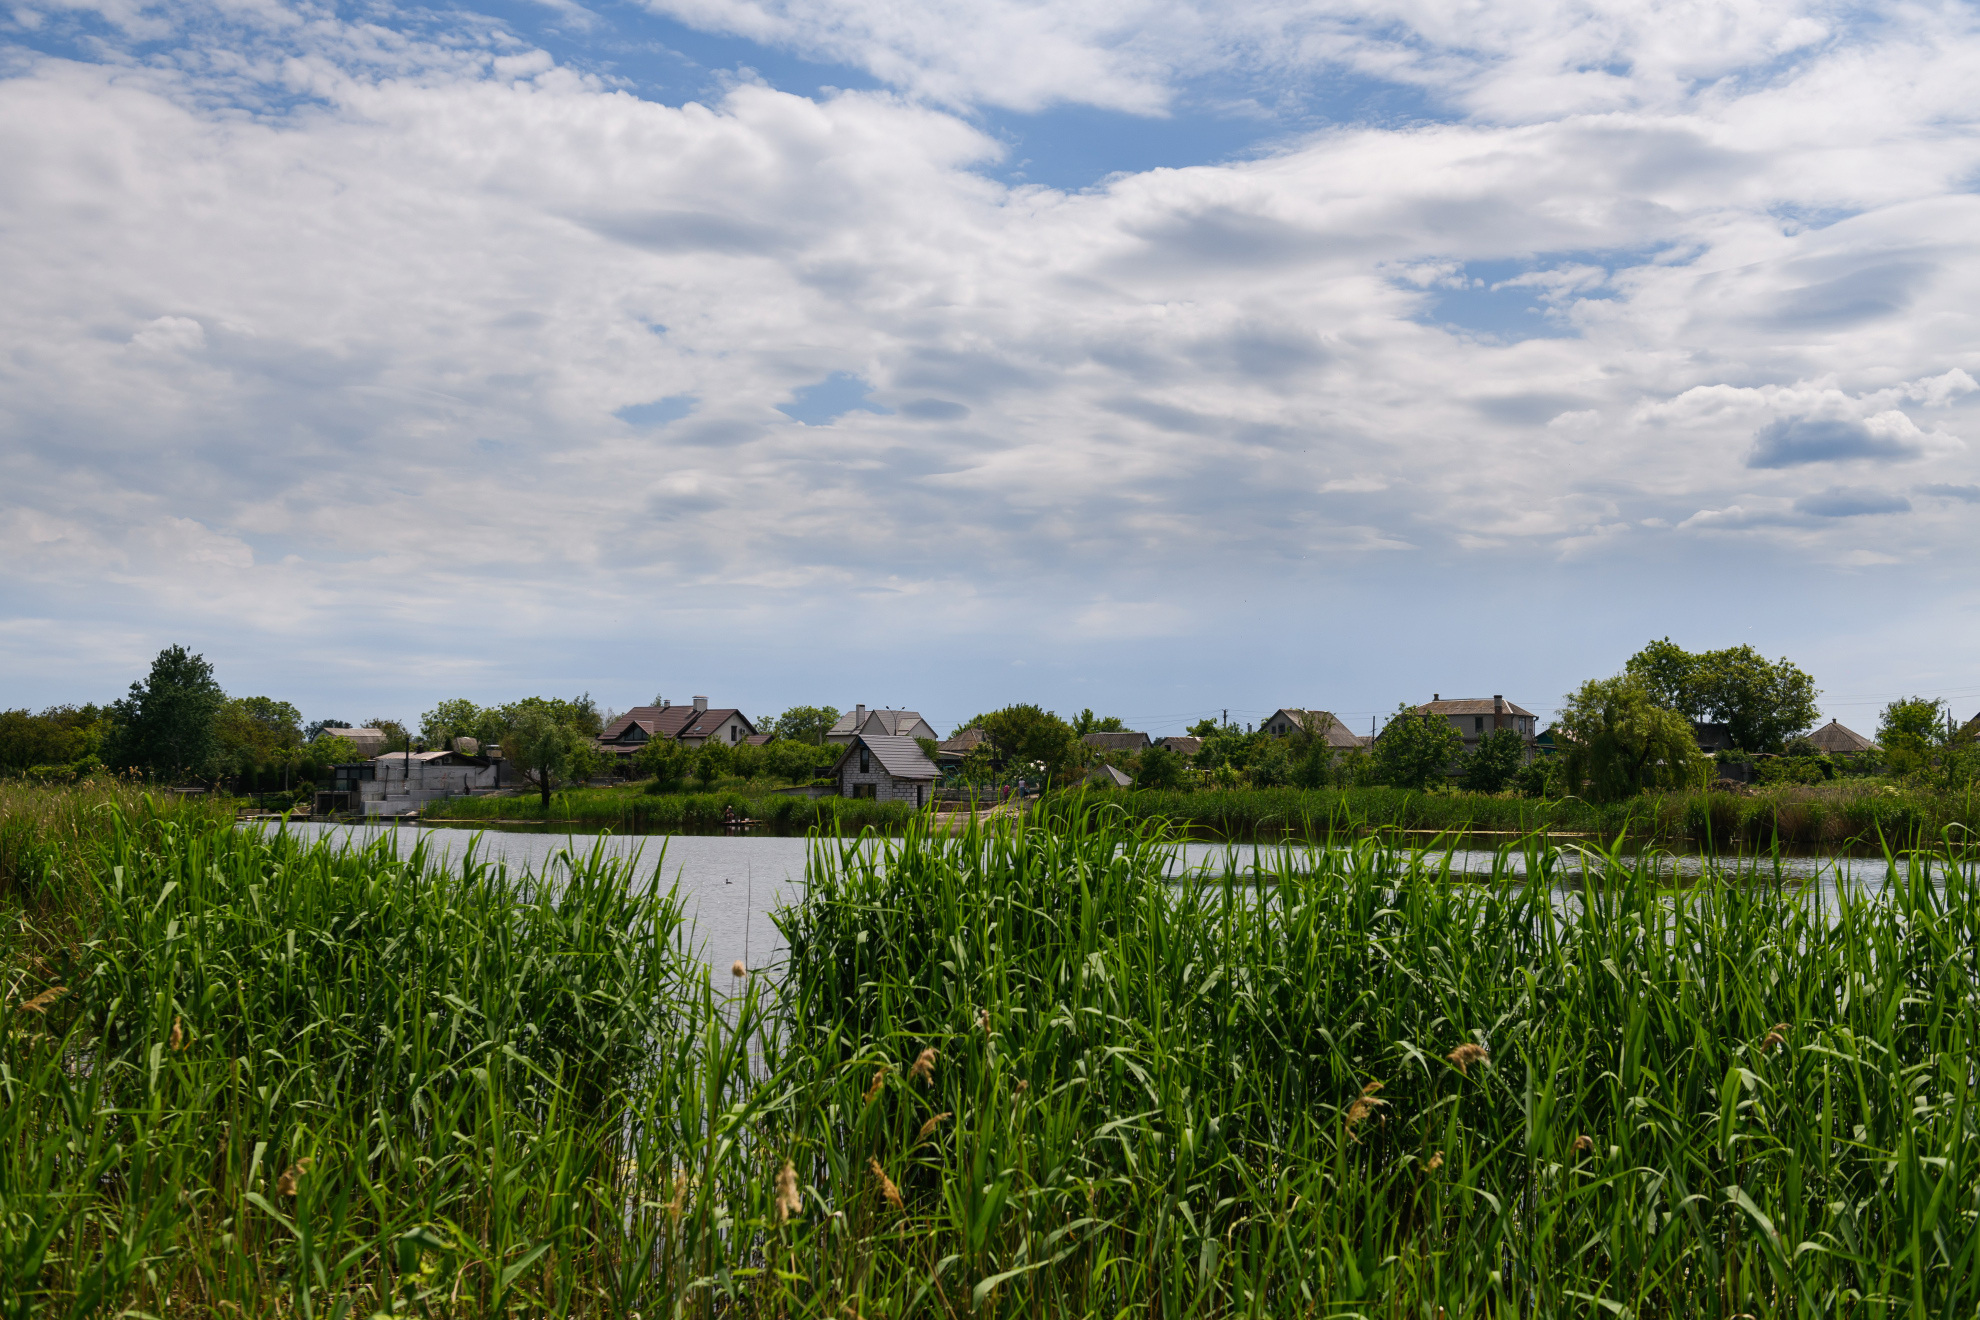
x=690 y=726
x=880 y=723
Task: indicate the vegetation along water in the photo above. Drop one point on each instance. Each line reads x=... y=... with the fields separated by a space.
x=1015 y=1072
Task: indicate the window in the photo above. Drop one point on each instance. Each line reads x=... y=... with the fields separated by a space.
x=1478 y=724
x=865 y=766
x=735 y=733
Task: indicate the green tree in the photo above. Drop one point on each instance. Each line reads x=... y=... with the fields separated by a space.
x=1620 y=742
x=805 y=724
x=665 y=762
x=711 y=760
x=454 y=718
x=1025 y=735
x=1159 y=768
x=169 y=723
x=1670 y=674
x=1762 y=703
x=1416 y=750
x=540 y=747
x=1270 y=766
x=1909 y=731
x=257 y=734
x=68 y=739
x=798 y=762
x=1490 y=766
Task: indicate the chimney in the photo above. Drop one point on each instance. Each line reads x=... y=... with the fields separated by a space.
x=701 y=703
x=859 y=716
x=1498 y=710
x=664 y=703
x=1436 y=696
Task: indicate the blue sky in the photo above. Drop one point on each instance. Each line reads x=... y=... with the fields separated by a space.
x=1157 y=356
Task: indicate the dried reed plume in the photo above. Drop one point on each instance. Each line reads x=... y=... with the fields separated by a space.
x=930 y=1126
x=1778 y=1036
x=1023 y=1086
x=1467 y=1054
x=983 y=1020
x=887 y=1188
x=678 y=1201
x=177 y=1040
x=40 y=1003
x=1583 y=1144
x=286 y=1184
x=737 y=968
x=1364 y=1104
x=788 y=1201
x=924 y=1066
x=1434 y=1163
x=879 y=1077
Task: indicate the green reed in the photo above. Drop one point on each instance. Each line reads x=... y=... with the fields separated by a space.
x=1023 y=1071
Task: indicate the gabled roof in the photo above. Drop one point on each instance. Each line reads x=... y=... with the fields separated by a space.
x=1469 y=706
x=1834 y=737
x=900 y=757
x=1182 y=745
x=1122 y=741
x=669 y=722
x=707 y=722
x=1108 y=774
x=967 y=741
x=889 y=723
x=1336 y=734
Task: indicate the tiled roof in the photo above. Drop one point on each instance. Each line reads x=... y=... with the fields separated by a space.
x=668 y=722
x=1183 y=746
x=1336 y=734
x=889 y=722
x=1116 y=742
x=966 y=741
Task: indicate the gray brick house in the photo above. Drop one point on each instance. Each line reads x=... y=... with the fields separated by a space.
x=888 y=769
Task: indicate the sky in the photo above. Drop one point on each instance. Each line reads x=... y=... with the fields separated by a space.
x=1162 y=357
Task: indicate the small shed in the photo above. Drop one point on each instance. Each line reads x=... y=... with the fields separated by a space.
x=1108 y=776
x=1836 y=740
x=887 y=769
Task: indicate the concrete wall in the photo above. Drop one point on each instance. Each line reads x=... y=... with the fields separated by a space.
x=401 y=786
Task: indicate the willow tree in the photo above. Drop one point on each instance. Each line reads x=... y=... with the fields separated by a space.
x=1620 y=742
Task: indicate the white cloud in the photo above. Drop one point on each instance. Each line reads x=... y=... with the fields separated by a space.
x=360 y=357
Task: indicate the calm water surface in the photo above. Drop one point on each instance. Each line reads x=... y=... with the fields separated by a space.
x=730 y=885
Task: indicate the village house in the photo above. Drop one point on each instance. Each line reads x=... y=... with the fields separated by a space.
x=1181 y=745
x=690 y=726
x=1116 y=742
x=1837 y=740
x=884 y=768
x=1474 y=717
x=880 y=722
x=1288 y=720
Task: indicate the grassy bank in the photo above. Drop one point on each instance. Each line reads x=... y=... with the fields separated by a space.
x=631 y=811
x=1003 y=1075
x=1813 y=815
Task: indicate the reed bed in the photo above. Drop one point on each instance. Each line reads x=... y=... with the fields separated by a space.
x=1019 y=1072
x=1825 y=815
x=633 y=812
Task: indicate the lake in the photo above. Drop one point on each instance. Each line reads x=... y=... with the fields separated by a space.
x=730 y=884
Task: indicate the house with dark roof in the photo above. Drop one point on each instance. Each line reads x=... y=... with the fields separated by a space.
x=690 y=726
x=1180 y=745
x=1474 y=717
x=1288 y=720
x=1836 y=740
x=885 y=768
x=882 y=722
x=1120 y=741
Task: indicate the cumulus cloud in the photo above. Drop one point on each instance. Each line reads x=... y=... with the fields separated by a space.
x=335 y=306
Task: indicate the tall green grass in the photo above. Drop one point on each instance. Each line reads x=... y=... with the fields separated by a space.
x=1014 y=1073
x=634 y=812
x=1801 y=815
